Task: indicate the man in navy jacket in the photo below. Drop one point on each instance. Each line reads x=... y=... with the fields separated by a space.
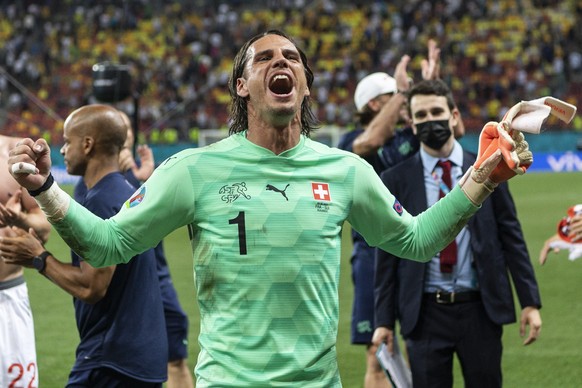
x=443 y=309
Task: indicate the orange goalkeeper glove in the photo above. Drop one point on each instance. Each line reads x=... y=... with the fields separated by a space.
x=501 y=156
x=516 y=156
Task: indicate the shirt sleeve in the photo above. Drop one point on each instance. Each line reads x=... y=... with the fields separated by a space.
x=394 y=230
x=163 y=204
x=346 y=142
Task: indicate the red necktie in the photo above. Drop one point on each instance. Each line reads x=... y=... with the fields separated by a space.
x=448 y=256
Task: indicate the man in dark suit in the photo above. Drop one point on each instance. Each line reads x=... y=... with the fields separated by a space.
x=458 y=302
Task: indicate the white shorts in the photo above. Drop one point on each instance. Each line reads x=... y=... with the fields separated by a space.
x=18 y=366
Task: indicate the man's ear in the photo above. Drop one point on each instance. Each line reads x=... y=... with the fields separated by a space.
x=375 y=105
x=458 y=126
x=241 y=87
x=88 y=144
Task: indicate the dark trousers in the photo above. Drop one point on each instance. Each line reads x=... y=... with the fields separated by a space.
x=106 y=378
x=461 y=328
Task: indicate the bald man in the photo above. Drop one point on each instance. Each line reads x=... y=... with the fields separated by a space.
x=179 y=374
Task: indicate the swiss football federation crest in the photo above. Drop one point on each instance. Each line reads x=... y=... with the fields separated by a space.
x=321 y=192
x=137 y=198
x=232 y=192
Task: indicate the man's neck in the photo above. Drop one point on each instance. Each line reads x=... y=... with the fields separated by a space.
x=277 y=140
x=94 y=173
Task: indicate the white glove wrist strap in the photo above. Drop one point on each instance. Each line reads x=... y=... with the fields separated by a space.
x=477 y=192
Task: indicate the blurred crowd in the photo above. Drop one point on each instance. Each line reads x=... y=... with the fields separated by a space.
x=494 y=54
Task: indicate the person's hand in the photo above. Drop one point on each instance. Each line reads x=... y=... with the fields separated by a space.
x=401 y=75
x=571 y=242
x=515 y=161
x=516 y=156
x=530 y=316
x=384 y=335
x=550 y=246
x=576 y=228
x=476 y=183
x=431 y=67
x=10 y=212
x=147 y=164
x=28 y=153
x=126 y=161
x=20 y=247
x=501 y=156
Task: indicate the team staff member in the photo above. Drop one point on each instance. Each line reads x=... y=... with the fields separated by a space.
x=457 y=306
x=118 y=308
x=265 y=209
x=176 y=320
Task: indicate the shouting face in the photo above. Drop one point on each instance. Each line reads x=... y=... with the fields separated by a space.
x=273 y=81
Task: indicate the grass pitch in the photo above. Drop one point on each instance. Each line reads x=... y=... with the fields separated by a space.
x=554 y=360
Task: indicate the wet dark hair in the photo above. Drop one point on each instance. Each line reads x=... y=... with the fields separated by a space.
x=238 y=106
x=434 y=86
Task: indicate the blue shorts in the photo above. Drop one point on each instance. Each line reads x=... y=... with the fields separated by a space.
x=176 y=323
x=363 y=309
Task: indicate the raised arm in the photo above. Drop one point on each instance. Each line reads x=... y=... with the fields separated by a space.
x=117 y=239
x=381 y=128
x=501 y=156
x=431 y=69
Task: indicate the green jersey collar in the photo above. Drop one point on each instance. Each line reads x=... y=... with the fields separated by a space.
x=241 y=137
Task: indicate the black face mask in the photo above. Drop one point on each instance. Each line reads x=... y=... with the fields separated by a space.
x=433 y=134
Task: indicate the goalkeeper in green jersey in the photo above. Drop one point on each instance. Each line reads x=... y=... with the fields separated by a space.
x=265 y=208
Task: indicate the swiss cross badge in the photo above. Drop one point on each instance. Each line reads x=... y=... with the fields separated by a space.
x=321 y=191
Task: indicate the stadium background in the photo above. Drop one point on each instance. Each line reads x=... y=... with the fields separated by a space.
x=179 y=53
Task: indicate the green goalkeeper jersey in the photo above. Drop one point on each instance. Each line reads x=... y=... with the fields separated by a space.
x=265 y=232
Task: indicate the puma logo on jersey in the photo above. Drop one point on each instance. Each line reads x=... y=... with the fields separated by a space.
x=282 y=192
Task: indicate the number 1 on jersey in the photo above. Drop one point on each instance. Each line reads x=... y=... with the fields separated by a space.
x=242 y=233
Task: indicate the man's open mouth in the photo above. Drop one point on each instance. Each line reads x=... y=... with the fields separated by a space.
x=281 y=84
